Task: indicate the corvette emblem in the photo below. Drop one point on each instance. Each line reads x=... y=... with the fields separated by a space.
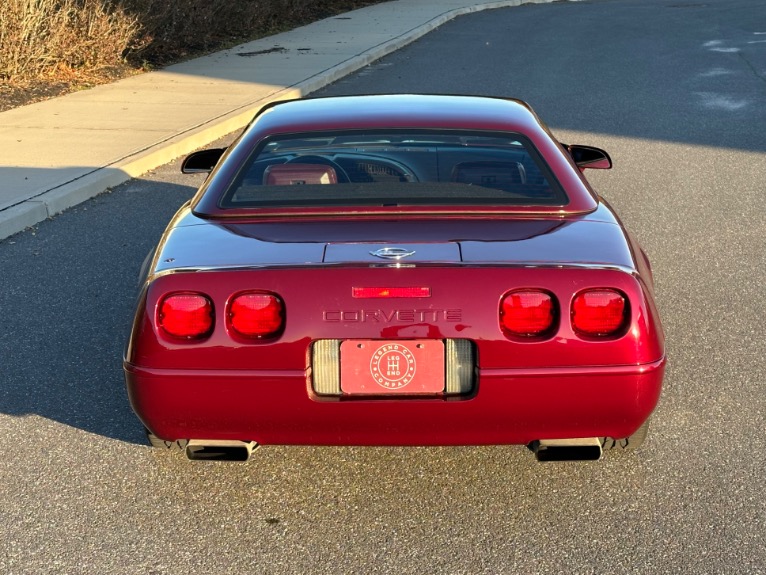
x=390 y=253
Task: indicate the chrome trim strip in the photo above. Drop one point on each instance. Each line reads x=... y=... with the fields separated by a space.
x=547 y=265
x=590 y=370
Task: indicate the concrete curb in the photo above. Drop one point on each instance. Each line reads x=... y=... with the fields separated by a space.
x=47 y=203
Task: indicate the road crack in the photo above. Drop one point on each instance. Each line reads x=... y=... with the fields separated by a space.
x=753 y=69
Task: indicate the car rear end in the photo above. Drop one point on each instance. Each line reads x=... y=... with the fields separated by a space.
x=396 y=270
x=395 y=354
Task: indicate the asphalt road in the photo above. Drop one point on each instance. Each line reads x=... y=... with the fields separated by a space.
x=676 y=91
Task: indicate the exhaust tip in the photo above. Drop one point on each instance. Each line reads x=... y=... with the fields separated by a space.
x=219 y=450
x=577 y=449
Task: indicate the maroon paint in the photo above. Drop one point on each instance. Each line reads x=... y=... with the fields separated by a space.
x=561 y=385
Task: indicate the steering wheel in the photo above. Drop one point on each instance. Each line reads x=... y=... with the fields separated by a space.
x=323 y=161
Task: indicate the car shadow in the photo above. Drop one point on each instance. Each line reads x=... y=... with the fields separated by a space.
x=68 y=291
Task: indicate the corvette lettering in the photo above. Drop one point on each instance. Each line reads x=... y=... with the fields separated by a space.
x=392 y=316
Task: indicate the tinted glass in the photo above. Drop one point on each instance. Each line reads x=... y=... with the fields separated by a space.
x=393 y=169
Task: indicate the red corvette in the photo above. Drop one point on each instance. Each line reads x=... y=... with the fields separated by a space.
x=396 y=270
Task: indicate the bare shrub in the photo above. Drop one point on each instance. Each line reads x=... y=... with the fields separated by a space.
x=71 y=40
x=38 y=37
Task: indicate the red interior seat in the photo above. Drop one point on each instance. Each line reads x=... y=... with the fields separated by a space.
x=296 y=174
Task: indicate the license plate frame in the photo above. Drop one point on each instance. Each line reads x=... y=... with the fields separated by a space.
x=392 y=367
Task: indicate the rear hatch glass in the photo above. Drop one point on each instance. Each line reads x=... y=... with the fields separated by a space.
x=394 y=168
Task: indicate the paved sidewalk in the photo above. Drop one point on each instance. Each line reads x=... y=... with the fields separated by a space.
x=58 y=153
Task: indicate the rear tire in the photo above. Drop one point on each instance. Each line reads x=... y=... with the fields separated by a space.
x=628 y=443
x=178 y=445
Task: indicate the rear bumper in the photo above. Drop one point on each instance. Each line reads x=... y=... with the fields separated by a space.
x=513 y=406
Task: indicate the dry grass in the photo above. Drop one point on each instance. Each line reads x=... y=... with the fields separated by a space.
x=48 y=47
x=50 y=37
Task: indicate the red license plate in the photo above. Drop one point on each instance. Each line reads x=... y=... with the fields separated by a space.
x=378 y=367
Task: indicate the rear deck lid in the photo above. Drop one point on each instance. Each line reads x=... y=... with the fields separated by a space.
x=198 y=244
x=377 y=253
x=577 y=243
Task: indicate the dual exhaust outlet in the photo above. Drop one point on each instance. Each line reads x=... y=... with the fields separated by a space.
x=219 y=450
x=577 y=449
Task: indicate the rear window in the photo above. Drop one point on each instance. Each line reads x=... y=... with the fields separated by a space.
x=400 y=168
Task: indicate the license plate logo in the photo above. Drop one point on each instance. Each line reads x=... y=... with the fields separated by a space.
x=393 y=366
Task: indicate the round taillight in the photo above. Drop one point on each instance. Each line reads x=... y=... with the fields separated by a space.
x=256 y=315
x=599 y=312
x=527 y=313
x=186 y=315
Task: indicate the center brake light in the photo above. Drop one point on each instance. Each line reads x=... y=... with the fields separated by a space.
x=186 y=315
x=387 y=292
x=256 y=314
x=528 y=313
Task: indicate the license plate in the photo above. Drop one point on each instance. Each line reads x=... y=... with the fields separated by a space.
x=375 y=367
